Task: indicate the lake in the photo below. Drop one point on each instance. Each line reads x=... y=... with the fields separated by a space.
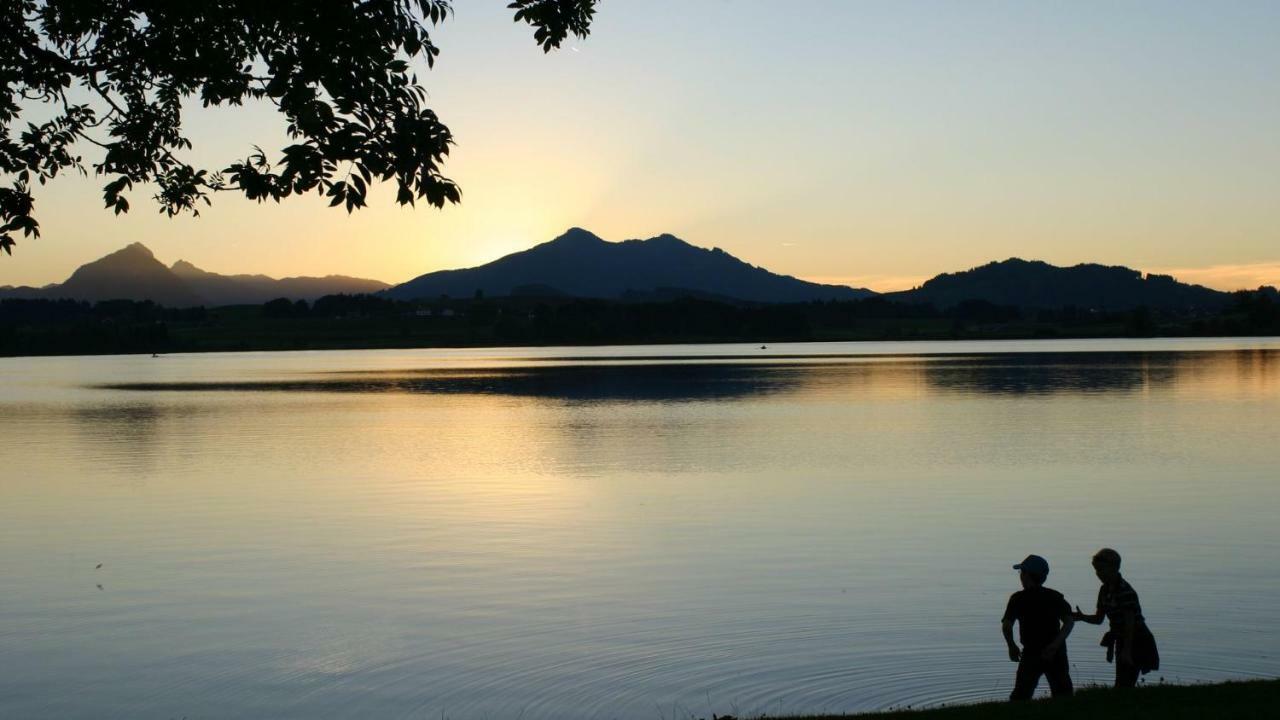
x=642 y=533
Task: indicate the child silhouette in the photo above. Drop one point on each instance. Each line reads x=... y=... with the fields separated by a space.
x=1044 y=622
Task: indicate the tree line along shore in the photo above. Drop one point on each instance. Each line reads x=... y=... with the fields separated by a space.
x=69 y=327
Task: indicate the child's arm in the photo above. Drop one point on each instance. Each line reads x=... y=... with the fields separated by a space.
x=1094 y=619
x=1052 y=648
x=1006 y=627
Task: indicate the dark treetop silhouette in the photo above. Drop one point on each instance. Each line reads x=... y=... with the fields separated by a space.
x=114 y=73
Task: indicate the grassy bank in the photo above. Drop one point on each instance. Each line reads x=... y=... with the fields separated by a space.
x=1257 y=699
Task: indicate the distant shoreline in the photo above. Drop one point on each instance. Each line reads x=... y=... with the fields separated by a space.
x=754 y=343
x=38 y=328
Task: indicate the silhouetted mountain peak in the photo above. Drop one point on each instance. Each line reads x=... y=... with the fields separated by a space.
x=182 y=267
x=134 y=257
x=134 y=273
x=666 y=241
x=131 y=254
x=1012 y=264
x=576 y=236
x=200 y=279
x=136 y=248
x=581 y=264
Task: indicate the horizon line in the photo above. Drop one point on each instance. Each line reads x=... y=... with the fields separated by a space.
x=1223 y=277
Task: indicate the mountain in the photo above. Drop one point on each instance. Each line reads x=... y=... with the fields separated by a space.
x=134 y=273
x=256 y=289
x=1036 y=284
x=581 y=264
x=224 y=289
x=21 y=291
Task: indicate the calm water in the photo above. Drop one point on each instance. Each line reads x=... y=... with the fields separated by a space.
x=635 y=533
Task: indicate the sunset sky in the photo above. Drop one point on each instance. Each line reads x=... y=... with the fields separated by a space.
x=873 y=144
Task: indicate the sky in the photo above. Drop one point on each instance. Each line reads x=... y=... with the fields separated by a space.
x=867 y=143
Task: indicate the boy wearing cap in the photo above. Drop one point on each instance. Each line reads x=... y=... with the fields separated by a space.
x=1044 y=622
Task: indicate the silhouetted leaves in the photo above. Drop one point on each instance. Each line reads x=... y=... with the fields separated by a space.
x=339 y=71
x=553 y=20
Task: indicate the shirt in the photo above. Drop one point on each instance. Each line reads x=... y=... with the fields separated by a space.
x=1117 y=599
x=1038 y=612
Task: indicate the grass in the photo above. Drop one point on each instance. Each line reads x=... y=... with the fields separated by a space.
x=1246 y=700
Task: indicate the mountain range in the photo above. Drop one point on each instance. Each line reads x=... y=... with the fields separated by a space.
x=581 y=264
x=134 y=273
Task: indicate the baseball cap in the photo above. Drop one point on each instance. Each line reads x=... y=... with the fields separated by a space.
x=1035 y=565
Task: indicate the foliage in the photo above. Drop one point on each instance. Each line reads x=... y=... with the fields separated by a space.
x=285 y=308
x=1260 y=307
x=115 y=74
x=54 y=327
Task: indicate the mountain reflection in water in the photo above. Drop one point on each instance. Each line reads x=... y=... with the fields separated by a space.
x=598 y=532
x=664 y=379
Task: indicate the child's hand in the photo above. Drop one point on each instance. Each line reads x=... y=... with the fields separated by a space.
x=1077 y=615
x=1015 y=655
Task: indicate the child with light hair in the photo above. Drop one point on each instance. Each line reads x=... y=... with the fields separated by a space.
x=1129 y=642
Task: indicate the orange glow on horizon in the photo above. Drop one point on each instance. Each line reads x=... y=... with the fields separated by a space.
x=920 y=149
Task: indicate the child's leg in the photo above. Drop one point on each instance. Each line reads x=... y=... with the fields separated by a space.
x=1126 y=675
x=1028 y=677
x=1058 y=671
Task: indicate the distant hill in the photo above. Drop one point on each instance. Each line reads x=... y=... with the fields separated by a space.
x=134 y=273
x=254 y=289
x=580 y=264
x=224 y=289
x=1036 y=284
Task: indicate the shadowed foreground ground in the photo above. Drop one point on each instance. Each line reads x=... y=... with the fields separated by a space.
x=1257 y=699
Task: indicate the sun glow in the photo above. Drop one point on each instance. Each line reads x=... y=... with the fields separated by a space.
x=936 y=142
